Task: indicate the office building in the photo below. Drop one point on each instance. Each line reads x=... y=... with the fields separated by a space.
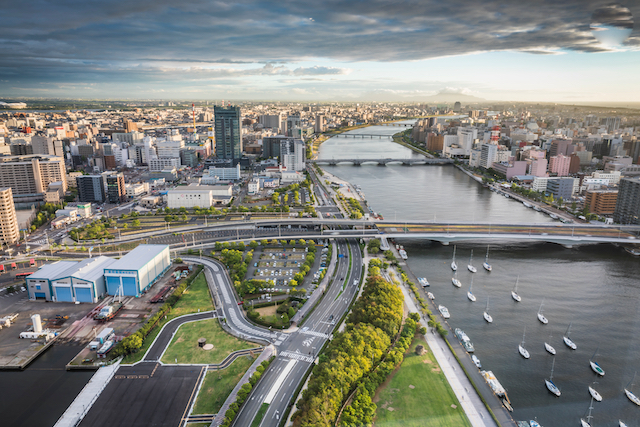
x=91 y=188
x=562 y=187
x=293 y=123
x=435 y=142
x=271 y=145
x=628 y=202
x=228 y=132
x=271 y=121
x=560 y=146
x=319 y=125
x=612 y=124
x=162 y=163
x=601 y=202
x=31 y=174
x=9 y=232
x=488 y=155
x=225 y=174
x=559 y=165
x=116 y=191
x=137 y=270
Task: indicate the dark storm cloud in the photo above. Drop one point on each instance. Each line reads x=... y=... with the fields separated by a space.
x=79 y=40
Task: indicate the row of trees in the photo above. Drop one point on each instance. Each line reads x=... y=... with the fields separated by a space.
x=375 y=319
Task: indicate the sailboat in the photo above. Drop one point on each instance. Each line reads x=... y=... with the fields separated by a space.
x=549 y=347
x=454 y=266
x=486 y=314
x=541 y=318
x=622 y=424
x=632 y=397
x=455 y=281
x=486 y=264
x=567 y=340
x=594 y=365
x=584 y=423
x=514 y=292
x=470 y=295
x=523 y=351
x=549 y=383
x=594 y=393
x=470 y=266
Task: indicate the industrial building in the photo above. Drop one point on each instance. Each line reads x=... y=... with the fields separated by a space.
x=138 y=270
x=70 y=281
x=201 y=196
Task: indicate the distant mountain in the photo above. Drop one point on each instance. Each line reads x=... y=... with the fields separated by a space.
x=445 y=97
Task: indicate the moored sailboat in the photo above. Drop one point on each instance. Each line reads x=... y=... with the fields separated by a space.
x=514 y=292
x=486 y=264
x=470 y=266
x=568 y=341
x=549 y=383
x=523 y=351
x=454 y=266
x=541 y=317
x=595 y=366
x=486 y=314
x=470 y=294
x=455 y=281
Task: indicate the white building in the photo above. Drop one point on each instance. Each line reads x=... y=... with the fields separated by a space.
x=135 y=190
x=201 y=196
x=225 y=174
x=162 y=163
x=169 y=148
x=293 y=154
x=474 y=158
x=137 y=270
x=488 y=155
x=613 y=177
x=540 y=183
x=253 y=186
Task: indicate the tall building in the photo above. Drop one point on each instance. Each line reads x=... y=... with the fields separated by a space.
x=91 y=188
x=488 y=155
x=9 y=232
x=628 y=202
x=31 y=174
x=293 y=123
x=271 y=145
x=601 y=202
x=612 y=124
x=319 y=126
x=116 y=191
x=228 y=132
x=562 y=187
x=560 y=146
x=293 y=154
x=435 y=142
x=559 y=165
x=271 y=121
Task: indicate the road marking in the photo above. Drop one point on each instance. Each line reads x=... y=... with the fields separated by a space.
x=314 y=333
x=297 y=356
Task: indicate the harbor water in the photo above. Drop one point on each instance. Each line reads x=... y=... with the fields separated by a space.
x=595 y=288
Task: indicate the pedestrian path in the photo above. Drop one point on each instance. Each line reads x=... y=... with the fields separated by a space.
x=297 y=356
x=473 y=407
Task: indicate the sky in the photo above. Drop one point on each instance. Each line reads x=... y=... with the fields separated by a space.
x=332 y=50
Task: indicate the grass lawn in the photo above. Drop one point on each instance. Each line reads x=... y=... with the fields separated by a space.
x=428 y=403
x=218 y=384
x=184 y=346
x=195 y=298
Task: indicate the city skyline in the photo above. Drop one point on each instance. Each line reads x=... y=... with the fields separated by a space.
x=380 y=51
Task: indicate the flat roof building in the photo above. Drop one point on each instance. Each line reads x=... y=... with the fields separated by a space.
x=9 y=232
x=601 y=202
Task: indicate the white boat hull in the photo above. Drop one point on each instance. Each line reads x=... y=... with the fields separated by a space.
x=515 y=297
x=430 y=296
x=569 y=343
x=444 y=311
x=487 y=317
x=471 y=268
x=596 y=368
x=456 y=282
x=523 y=352
x=542 y=319
x=454 y=266
x=476 y=361
x=550 y=349
x=583 y=423
x=632 y=397
x=622 y=424
x=471 y=297
x=486 y=266
x=596 y=396
x=552 y=388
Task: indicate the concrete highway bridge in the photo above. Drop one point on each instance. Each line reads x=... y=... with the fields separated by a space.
x=384 y=162
x=360 y=135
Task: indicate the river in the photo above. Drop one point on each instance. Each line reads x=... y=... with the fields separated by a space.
x=595 y=288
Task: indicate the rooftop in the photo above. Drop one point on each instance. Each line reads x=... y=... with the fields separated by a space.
x=138 y=257
x=52 y=271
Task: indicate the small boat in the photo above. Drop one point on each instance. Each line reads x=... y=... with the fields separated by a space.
x=622 y=424
x=486 y=264
x=584 y=423
x=514 y=292
x=444 y=310
x=476 y=361
x=470 y=267
x=549 y=383
x=527 y=205
x=632 y=397
x=430 y=296
x=568 y=341
x=470 y=294
x=594 y=365
x=523 y=351
x=454 y=266
x=455 y=281
x=595 y=394
x=541 y=318
x=633 y=251
x=549 y=347
x=533 y=423
x=403 y=254
x=507 y=405
x=553 y=216
x=536 y=208
x=464 y=340
x=486 y=314
x=424 y=282
x=493 y=382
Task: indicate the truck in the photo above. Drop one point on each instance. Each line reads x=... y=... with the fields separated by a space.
x=108 y=312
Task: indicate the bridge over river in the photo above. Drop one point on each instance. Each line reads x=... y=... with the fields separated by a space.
x=384 y=162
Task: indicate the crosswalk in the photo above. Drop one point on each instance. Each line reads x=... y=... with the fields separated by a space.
x=314 y=333
x=297 y=356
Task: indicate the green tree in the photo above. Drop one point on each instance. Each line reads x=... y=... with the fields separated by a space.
x=136 y=223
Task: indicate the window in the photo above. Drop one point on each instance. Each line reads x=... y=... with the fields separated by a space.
x=38 y=287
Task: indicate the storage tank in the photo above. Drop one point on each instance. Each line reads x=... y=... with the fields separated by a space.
x=37 y=323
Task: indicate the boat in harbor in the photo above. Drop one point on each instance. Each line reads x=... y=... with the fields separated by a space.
x=486 y=314
x=523 y=351
x=534 y=423
x=527 y=204
x=444 y=310
x=549 y=347
x=633 y=251
x=632 y=397
x=470 y=294
x=536 y=208
x=486 y=264
x=424 y=282
x=514 y=292
x=493 y=383
x=553 y=216
x=621 y=424
x=430 y=296
x=568 y=341
x=476 y=361
x=455 y=281
x=541 y=318
x=464 y=340
x=549 y=383
x=454 y=266
x=594 y=365
x=595 y=394
x=470 y=266
x=403 y=254
x=584 y=423
x=507 y=405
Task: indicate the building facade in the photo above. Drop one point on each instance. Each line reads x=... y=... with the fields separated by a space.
x=601 y=202
x=9 y=232
x=31 y=174
x=137 y=271
x=116 y=191
x=91 y=188
x=628 y=202
x=228 y=132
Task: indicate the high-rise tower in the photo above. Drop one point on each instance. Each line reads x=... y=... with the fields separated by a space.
x=228 y=132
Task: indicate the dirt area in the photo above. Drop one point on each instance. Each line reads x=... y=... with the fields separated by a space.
x=346 y=189
x=267 y=311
